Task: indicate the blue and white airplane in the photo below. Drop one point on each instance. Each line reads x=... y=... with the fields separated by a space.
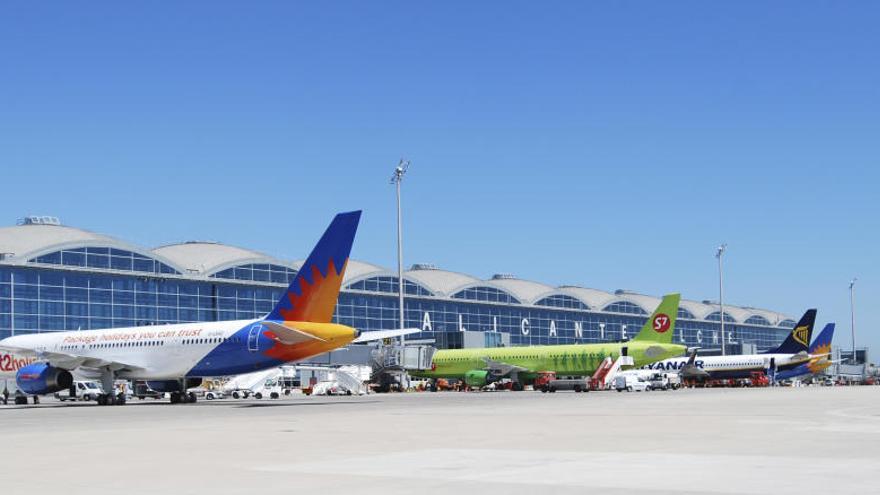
x=790 y=354
x=173 y=358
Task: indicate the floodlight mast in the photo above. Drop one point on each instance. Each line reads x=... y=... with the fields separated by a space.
x=852 y=315
x=396 y=179
x=719 y=253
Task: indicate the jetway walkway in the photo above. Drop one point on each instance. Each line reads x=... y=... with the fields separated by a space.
x=391 y=364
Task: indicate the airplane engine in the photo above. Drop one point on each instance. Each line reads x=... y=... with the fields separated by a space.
x=173 y=385
x=40 y=378
x=478 y=378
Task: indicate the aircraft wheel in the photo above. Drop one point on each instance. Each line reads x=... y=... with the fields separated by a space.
x=120 y=399
x=629 y=389
x=192 y=398
x=175 y=397
x=274 y=395
x=258 y=395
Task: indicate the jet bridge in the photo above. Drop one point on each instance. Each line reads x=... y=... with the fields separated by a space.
x=392 y=363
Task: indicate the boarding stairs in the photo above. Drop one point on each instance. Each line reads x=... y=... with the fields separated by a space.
x=350 y=382
x=603 y=378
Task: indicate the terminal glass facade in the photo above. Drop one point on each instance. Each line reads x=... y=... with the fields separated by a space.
x=50 y=296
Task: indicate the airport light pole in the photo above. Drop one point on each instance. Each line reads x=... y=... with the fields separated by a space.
x=396 y=179
x=852 y=316
x=720 y=254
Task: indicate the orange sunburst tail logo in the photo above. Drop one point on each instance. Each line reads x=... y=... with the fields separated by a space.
x=313 y=293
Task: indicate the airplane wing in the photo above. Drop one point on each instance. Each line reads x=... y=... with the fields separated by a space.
x=501 y=369
x=384 y=334
x=68 y=361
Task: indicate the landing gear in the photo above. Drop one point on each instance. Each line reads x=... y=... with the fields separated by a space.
x=183 y=398
x=36 y=399
x=109 y=400
x=108 y=383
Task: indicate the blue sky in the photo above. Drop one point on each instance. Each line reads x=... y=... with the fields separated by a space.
x=610 y=145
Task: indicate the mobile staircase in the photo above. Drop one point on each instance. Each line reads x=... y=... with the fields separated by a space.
x=603 y=378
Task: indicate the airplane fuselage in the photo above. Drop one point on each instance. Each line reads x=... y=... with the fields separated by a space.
x=185 y=349
x=736 y=366
x=573 y=359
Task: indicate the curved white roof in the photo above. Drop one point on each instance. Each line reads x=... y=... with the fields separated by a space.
x=773 y=317
x=698 y=309
x=594 y=298
x=356 y=270
x=23 y=242
x=210 y=257
x=441 y=282
x=527 y=292
x=647 y=303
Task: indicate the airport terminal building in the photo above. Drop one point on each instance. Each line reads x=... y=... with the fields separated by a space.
x=54 y=277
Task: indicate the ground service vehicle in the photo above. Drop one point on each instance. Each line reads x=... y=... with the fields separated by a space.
x=142 y=391
x=543 y=379
x=575 y=384
x=631 y=383
x=82 y=390
x=664 y=381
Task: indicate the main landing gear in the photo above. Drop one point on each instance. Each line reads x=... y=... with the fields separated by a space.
x=111 y=400
x=108 y=382
x=183 y=398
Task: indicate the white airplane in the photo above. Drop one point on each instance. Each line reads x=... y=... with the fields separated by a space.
x=173 y=358
x=793 y=352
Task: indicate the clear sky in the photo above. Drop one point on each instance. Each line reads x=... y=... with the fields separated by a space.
x=604 y=144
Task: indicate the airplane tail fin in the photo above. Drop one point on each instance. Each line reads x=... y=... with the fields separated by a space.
x=313 y=293
x=661 y=324
x=822 y=344
x=692 y=359
x=799 y=338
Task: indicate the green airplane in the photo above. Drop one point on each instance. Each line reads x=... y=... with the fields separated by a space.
x=478 y=367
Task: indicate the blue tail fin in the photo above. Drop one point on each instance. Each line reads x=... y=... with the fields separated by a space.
x=799 y=338
x=313 y=293
x=823 y=341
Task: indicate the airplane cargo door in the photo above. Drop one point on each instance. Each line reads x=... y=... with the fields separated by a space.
x=254 y=338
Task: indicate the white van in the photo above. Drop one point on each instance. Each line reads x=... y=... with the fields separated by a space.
x=631 y=383
x=84 y=390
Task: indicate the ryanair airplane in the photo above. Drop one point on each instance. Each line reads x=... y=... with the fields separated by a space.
x=172 y=358
x=793 y=352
